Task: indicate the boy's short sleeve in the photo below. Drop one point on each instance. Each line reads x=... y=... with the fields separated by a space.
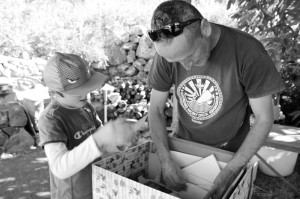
x=260 y=76
x=160 y=75
x=50 y=130
x=97 y=120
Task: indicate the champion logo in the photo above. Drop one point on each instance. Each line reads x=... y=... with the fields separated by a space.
x=80 y=134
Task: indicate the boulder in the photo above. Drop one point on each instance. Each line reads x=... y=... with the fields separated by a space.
x=129 y=46
x=19 y=141
x=134 y=38
x=142 y=61
x=102 y=65
x=131 y=56
x=3 y=138
x=138 y=65
x=122 y=67
x=2 y=69
x=112 y=70
x=137 y=30
x=142 y=75
x=145 y=48
x=14 y=113
x=148 y=65
x=114 y=55
x=131 y=71
x=125 y=37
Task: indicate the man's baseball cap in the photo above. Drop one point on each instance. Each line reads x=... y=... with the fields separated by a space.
x=70 y=74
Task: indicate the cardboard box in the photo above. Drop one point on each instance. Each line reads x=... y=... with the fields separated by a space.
x=116 y=176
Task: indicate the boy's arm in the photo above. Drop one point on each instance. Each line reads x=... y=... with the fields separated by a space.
x=112 y=137
x=64 y=163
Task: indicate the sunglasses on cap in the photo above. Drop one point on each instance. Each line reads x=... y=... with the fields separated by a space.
x=171 y=30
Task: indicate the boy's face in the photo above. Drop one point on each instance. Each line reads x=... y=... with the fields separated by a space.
x=72 y=101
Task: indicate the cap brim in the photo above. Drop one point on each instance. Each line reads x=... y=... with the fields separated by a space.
x=96 y=81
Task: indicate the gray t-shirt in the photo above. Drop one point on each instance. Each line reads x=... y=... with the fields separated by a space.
x=72 y=127
x=213 y=105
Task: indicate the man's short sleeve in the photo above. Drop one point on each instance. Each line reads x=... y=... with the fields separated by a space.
x=50 y=130
x=259 y=75
x=160 y=75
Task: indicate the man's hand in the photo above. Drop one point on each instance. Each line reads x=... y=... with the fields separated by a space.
x=115 y=136
x=173 y=176
x=222 y=182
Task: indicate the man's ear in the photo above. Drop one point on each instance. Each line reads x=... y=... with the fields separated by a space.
x=205 y=28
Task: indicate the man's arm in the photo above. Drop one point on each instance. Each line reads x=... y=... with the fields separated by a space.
x=171 y=172
x=263 y=111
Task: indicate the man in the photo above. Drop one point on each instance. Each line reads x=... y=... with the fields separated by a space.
x=218 y=73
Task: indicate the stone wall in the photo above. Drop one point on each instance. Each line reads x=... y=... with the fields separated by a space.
x=128 y=55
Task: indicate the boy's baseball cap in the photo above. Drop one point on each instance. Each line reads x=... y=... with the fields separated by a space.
x=68 y=73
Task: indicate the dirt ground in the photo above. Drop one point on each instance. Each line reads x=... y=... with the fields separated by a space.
x=25 y=176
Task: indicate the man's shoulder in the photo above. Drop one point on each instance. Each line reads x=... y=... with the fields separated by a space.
x=241 y=37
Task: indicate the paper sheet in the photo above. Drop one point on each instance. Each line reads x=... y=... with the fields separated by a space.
x=207 y=169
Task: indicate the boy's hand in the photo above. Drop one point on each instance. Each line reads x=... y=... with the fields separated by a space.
x=115 y=136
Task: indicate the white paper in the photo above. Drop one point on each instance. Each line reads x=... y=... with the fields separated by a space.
x=183 y=159
x=207 y=169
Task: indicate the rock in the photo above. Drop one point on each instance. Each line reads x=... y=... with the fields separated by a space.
x=137 y=30
x=129 y=46
x=131 y=56
x=25 y=55
x=102 y=64
x=2 y=69
x=134 y=38
x=112 y=70
x=148 y=65
x=19 y=141
x=131 y=71
x=122 y=67
x=138 y=65
x=34 y=71
x=125 y=37
x=145 y=48
x=142 y=61
x=15 y=112
x=118 y=41
x=142 y=74
x=114 y=55
x=7 y=73
x=3 y=139
x=10 y=66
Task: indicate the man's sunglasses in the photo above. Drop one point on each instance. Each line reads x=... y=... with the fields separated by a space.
x=171 y=30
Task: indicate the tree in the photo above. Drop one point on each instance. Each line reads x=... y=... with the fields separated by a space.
x=276 y=24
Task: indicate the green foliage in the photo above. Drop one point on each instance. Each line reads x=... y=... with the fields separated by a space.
x=37 y=28
x=277 y=24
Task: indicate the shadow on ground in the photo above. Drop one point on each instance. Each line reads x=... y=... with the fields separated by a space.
x=25 y=176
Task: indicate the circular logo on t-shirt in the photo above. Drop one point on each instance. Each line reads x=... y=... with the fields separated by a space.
x=201 y=97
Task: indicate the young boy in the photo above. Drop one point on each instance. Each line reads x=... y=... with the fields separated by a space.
x=70 y=131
